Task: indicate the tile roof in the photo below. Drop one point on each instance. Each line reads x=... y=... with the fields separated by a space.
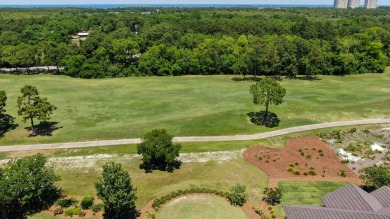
x=348 y=202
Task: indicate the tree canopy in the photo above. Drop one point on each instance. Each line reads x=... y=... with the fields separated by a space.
x=117 y=192
x=27 y=186
x=173 y=41
x=376 y=176
x=158 y=151
x=31 y=106
x=267 y=91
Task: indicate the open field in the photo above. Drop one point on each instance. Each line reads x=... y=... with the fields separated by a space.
x=190 y=105
x=200 y=206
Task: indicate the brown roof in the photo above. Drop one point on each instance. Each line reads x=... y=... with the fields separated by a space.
x=348 y=202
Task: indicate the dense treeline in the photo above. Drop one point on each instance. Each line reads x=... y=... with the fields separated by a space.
x=124 y=42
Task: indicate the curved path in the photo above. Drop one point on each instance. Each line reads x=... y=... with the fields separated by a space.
x=194 y=139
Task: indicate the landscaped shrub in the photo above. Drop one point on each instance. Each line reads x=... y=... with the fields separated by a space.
x=297 y=173
x=66 y=203
x=296 y=164
x=97 y=207
x=312 y=172
x=166 y=198
x=87 y=202
x=73 y=211
x=238 y=195
x=342 y=173
x=290 y=170
x=273 y=196
x=58 y=211
x=261 y=212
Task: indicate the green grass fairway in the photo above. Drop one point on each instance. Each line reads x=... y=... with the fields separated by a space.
x=214 y=175
x=189 y=105
x=199 y=207
x=305 y=193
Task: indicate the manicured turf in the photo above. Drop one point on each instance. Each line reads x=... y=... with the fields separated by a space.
x=212 y=174
x=201 y=207
x=190 y=105
x=305 y=193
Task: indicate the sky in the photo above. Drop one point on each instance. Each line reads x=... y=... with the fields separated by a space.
x=55 y=2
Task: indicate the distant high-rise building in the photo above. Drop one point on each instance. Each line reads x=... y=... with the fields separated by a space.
x=340 y=3
x=353 y=3
x=370 y=3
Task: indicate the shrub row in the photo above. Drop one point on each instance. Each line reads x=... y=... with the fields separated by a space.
x=166 y=198
x=67 y=202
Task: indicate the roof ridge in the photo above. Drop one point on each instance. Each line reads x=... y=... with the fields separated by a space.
x=335 y=209
x=364 y=195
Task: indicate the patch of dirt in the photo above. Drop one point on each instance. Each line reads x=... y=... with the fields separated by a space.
x=250 y=206
x=302 y=156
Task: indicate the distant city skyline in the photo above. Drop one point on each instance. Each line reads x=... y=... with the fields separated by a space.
x=142 y=2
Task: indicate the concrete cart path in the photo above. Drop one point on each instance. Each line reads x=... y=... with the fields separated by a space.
x=194 y=138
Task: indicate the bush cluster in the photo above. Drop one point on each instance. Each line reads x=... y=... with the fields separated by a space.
x=97 y=207
x=67 y=202
x=87 y=202
x=73 y=211
x=164 y=199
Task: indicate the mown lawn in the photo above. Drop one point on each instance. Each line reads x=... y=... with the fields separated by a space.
x=189 y=105
x=201 y=207
x=305 y=193
x=212 y=174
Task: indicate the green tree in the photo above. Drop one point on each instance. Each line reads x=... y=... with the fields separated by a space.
x=6 y=121
x=27 y=186
x=3 y=100
x=273 y=195
x=31 y=106
x=267 y=91
x=238 y=195
x=158 y=151
x=376 y=176
x=116 y=191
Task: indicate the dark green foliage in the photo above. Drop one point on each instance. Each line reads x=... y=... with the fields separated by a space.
x=87 y=202
x=273 y=195
x=237 y=195
x=6 y=121
x=27 y=187
x=116 y=191
x=284 y=42
x=31 y=106
x=158 y=151
x=376 y=176
x=266 y=92
x=67 y=202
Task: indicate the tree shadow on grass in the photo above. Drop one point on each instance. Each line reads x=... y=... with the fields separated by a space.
x=162 y=167
x=44 y=128
x=6 y=124
x=258 y=119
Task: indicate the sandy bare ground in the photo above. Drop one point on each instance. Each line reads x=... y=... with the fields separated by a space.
x=194 y=138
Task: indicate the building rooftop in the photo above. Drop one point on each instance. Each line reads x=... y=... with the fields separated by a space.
x=348 y=202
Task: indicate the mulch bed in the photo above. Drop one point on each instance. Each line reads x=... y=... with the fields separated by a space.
x=301 y=156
